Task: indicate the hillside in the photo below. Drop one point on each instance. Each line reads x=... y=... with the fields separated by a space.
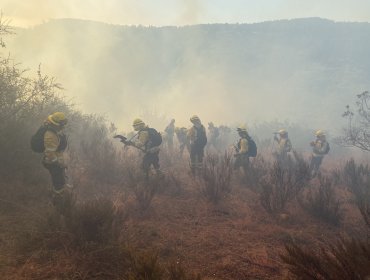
x=303 y=70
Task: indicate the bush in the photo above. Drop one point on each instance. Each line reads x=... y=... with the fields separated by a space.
x=144 y=189
x=216 y=177
x=322 y=202
x=281 y=186
x=145 y=265
x=257 y=169
x=357 y=178
x=346 y=259
x=93 y=148
x=76 y=225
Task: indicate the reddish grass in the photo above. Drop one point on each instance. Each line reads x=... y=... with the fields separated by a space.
x=235 y=239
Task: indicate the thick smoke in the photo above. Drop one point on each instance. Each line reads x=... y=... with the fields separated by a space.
x=228 y=74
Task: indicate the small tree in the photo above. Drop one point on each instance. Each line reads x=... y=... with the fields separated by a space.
x=357 y=133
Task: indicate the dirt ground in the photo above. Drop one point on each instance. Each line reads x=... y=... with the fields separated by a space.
x=234 y=239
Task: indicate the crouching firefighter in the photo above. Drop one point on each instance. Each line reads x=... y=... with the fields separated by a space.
x=148 y=141
x=197 y=140
x=245 y=148
x=52 y=142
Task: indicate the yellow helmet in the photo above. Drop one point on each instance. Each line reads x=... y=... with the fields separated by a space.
x=320 y=133
x=282 y=132
x=194 y=119
x=138 y=124
x=241 y=128
x=58 y=119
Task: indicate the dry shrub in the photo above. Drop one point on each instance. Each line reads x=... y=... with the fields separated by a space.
x=76 y=225
x=257 y=169
x=94 y=149
x=144 y=188
x=281 y=186
x=322 y=202
x=301 y=169
x=216 y=177
x=284 y=183
x=172 y=184
x=108 y=262
x=145 y=266
x=357 y=178
x=94 y=221
x=346 y=259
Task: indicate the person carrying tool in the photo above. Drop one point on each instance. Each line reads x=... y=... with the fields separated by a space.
x=148 y=141
x=197 y=140
x=320 y=148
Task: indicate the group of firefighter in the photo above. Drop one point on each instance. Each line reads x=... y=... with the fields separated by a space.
x=194 y=139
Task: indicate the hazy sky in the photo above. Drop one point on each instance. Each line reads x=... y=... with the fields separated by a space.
x=181 y=12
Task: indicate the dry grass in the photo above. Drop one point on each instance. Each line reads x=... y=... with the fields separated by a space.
x=322 y=202
x=216 y=177
x=345 y=259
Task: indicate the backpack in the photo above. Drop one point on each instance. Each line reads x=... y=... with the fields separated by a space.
x=37 y=140
x=252 y=148
x=201 y=140
x=155 y=137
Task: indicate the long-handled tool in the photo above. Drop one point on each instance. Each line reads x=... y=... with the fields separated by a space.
x=124 y=140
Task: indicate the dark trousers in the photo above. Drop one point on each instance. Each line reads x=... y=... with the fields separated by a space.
x=315 y=165
x=241 y=161
x=58 y=176
x=196 y=158
x=170 y=142
x=150 y=159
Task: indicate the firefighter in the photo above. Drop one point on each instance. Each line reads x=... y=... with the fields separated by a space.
x=55 y=143
x=242 y=150
x=197 y=140
x=170 y=133
x=283 y=148
x=214 y=134
x=149 y=141
x=320 y=148
x=181 y=134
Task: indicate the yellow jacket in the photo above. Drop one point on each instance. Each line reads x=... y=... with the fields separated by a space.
x=192 y=135
x=142 y=139
x=284 y=145
x=51 y=143
x=319 y=148
x=243 y=146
